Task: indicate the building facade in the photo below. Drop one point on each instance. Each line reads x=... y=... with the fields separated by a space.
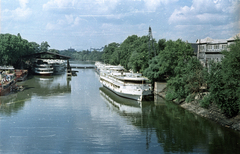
x=210 y=49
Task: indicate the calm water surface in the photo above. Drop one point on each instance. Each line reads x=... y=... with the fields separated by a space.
x=56 y=115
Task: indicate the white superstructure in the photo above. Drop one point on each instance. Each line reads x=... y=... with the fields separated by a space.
x=59 y=65
x=42 y=68
x=125 y=84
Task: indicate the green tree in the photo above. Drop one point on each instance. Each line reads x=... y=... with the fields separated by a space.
x=163 y=65
x=108 y=51
x=189 y=77
x=12 y=48
x=54 y=51
x=44 y=46
x=138 y=60
x=224 y=82
x=35 y=46
x=161 y=45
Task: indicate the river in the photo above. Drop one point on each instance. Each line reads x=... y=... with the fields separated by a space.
x=57 y=115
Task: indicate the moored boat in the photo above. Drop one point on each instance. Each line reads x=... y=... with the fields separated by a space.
x=126 y=84
x=8 y=82
x=42 y=68
x=21 y=74
x=58 y=65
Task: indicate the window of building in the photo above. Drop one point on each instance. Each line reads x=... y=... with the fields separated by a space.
x=216 y=46
x=224 y=46
x=202 y=47
x=209 y=47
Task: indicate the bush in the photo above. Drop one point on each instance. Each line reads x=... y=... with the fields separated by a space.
x=224 y=81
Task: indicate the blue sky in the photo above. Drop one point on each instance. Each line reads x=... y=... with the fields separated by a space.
x=82 y=24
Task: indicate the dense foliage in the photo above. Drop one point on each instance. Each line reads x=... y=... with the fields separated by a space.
x=189 y=78
x=224 y=81
x=12 y=47
x=133 y=53
x=163 y=65
x=84 y=55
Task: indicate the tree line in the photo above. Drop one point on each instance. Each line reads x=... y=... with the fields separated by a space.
x=187 y=79
x=13 y=47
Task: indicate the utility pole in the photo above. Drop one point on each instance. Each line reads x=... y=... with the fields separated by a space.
x=150 y=42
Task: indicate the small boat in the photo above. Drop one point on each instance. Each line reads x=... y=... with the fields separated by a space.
x=8 y=82
x=21 y=75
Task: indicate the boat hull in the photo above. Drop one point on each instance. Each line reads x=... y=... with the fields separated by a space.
x=129 y=96
x=9 y=89
x=126 y=93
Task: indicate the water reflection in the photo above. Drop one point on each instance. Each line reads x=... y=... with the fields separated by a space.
x=176 y=129
x=123 y=105
x=51 y=85
x=43 y=86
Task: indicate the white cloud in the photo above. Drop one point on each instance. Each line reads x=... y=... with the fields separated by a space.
x=20 y=13
x=59 y=4
x=69 y=18
x=50 y=26
x=66 y=22
x=23 y=3
x=204 y=11
x=91 y=6
x=152 y=5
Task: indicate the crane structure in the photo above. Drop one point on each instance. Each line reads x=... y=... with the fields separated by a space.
x=150 y=42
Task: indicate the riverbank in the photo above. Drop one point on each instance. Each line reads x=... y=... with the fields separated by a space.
x=213 y=112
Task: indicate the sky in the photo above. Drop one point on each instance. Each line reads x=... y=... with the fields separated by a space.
x=85 y=24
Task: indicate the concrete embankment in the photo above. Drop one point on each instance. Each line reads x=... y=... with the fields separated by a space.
x=213 y=112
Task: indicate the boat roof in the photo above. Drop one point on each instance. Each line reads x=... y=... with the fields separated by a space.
x=6 y=68
x=51 y=54
x=132 y=78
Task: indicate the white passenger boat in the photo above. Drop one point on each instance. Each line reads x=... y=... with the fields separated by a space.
x=59 y=66
x=98 y=67
x=129 y=85
x=42 y=68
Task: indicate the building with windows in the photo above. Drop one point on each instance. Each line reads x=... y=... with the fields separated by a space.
x=210 y=49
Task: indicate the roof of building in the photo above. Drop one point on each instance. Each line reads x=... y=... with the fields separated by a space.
x=234 y=37
x=210 y=40
x=51 y=56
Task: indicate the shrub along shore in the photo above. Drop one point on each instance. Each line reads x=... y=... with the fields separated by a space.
x=213 y=112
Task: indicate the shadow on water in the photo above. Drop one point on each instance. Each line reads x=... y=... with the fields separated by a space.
x=177 y=130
